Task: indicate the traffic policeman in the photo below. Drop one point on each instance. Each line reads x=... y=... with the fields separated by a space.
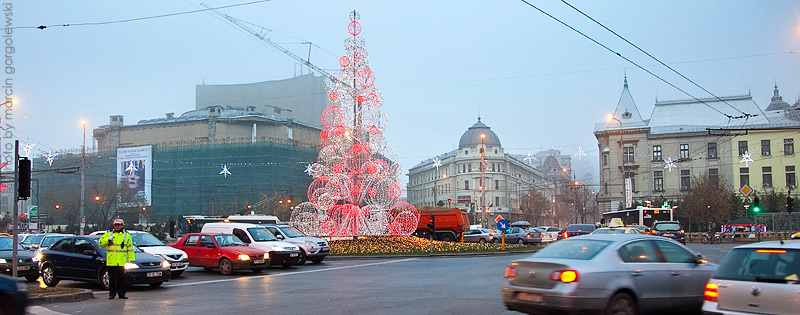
x=118 y=253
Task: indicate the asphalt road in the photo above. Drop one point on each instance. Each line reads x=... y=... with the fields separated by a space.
x=419 y=285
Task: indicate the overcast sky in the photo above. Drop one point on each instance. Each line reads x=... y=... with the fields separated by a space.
x=439 y=64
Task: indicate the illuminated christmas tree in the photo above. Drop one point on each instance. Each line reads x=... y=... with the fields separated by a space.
x=355 y=190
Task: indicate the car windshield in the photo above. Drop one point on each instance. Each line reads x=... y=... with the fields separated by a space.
x=50 y=240
x=33 y=239
x=145 y=240
x=581 y=249
x=668 y=226
x=582 y=227
x=760 y=265
x=291 y=232
x=261 y=234
x=227 y=240
x=609 y=231
x=640 y=227
x=5 y=244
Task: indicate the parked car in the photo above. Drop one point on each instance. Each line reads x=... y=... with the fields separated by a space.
x=224 y=251
x=519 y=236
x=669 y=229
x=280 y=253
x=482 y=236
x=13 y=296
x=617 y=230
x=312 y=248
x=25 y=265
x=612 y=274
x=178 y=260
x=758 y=278
x=81 y=258
x=575 y=230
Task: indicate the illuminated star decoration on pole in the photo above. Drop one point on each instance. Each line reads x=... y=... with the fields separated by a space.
x=437 y=162
x=50 y=156
x=580 y=153
x=746 y=159
x=27 y=148
x=670 y=164
x=225 y=172
x=131 y=167
x=309 y=169
x=530 y=157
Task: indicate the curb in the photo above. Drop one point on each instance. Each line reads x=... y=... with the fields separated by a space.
x=429 y=255
x=83 y=294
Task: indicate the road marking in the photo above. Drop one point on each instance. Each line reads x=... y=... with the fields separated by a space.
x=39 y=310
x=285 y=274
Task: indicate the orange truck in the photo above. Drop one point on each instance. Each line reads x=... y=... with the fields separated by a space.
x=449 y=223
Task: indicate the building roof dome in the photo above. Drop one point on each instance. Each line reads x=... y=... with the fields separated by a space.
x=777 y=101
x=472 y=138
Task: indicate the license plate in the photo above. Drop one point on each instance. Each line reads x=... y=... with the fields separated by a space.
x=669 y=234
x=23 y=267
x=325 y=250
x=529 y=297
x=258 y=261
x=178 y=265
x=154 y=274
x=294 y=254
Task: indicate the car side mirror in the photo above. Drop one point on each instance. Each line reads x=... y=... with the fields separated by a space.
x=280 y=237
x=89 y=252
x=700 y=259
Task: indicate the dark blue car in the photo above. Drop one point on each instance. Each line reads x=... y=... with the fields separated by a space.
x=81 y=258
x=13 y=299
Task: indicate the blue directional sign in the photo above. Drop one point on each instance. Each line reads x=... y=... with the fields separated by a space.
x=502 y=225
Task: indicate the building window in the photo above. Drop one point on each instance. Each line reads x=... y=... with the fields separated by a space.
x=744 y=176
x=466 y=184
x=469 y=167
x=788 y=146
x=605 y=188
x=656 y=153
x=496 y=201
x=686 y=179
x=742 y=147
x=627 y=154
x=497 y=185
x=658 y=180
x=713 y=175
x=766 y=176
x=712 y=150
x=684 y=152
x=605 y=158
x=633 y=179
x=493 y=169
x=790 y=179
x=765 y=148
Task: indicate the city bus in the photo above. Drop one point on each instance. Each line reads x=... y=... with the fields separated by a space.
x=640 y=216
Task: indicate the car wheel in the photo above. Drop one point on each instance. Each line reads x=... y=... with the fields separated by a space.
x=257 y=270
x=482 y=241
x=302 y=257
x=156 y=284
x=32 y=277
x=225 y=266
x=621 y=304
x=520 y=241
x=317 y=260
x=49 y=276
x=448 y=237
x=495 y=241
x=105 y=281
x=176 y=274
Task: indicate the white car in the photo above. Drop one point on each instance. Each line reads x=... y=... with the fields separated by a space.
x=148 y=243
x=758 y=278
x=311 y=248
x=549 y=234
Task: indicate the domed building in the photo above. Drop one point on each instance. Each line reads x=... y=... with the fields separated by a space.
x=453 y=179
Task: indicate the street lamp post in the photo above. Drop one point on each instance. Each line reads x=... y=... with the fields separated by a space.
x=83 y=182
x=483 y=183
x=622 y=160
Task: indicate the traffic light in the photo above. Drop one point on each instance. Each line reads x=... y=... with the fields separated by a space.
x=756 y=204
x=432 y=224
x=789 y=204
x=24 y=183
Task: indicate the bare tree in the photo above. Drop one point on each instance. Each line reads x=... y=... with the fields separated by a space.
x=534 y=207
x=707 y=201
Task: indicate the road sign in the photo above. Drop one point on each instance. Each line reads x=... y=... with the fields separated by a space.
x=746 y=190
x=498 y=218
x=502 y=225
x=33 y=211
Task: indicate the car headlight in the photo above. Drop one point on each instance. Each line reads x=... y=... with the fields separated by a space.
x=184 y=256
x=130 y=265
x=310 y=244
x=165 y=264
x=2 y=261
x=244 y=257
x=38 y=257
x=266 y=255
x=277 y=248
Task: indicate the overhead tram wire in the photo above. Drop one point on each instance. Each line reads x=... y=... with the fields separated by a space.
x=656 y=59
x=730 y=117
x=42 y=27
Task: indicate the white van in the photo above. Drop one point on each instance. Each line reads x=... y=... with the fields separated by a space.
x=280 y=253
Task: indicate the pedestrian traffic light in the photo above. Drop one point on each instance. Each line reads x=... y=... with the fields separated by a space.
x=756 y=204
x=432 y=224
x=24 y=183
x=789 y=204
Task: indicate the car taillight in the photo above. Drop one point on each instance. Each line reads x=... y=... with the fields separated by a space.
x=565 y=276
x=528 y=235
x=711 y=294
x=491 y=234
x=511 y=272
x=682 y=232
x=566 y=235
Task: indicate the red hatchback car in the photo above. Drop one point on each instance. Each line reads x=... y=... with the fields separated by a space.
x=223 y=251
